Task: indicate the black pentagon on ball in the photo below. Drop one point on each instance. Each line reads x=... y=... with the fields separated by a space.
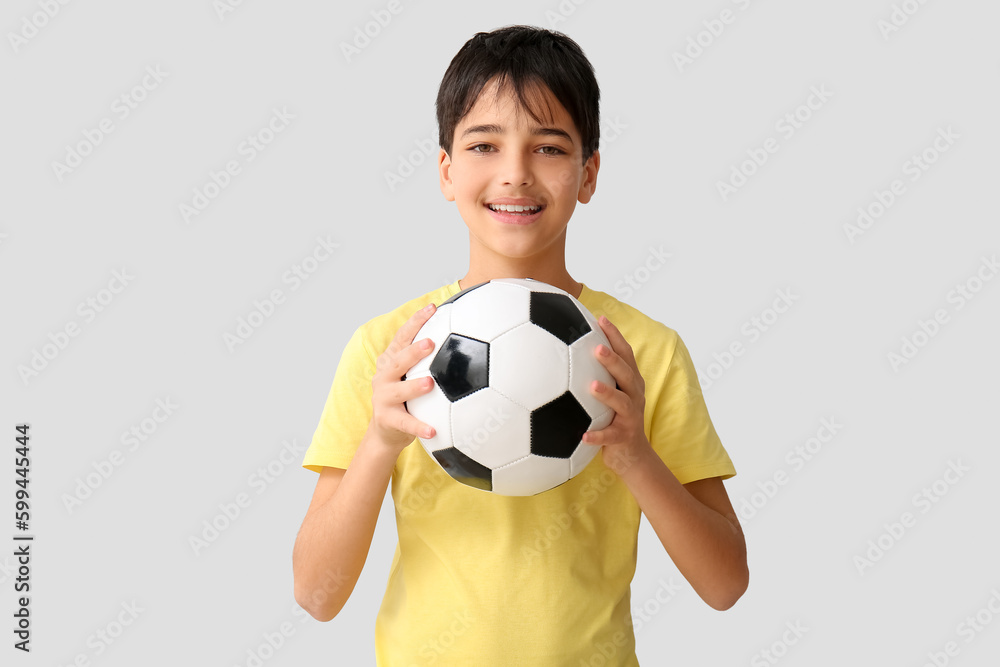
x=461 y=366
x=558 y=426
x=464 y=469
x=557 y=314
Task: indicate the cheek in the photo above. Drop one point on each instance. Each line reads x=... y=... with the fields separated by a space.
x=468 y=195
x=564 y=182
x=471 y=188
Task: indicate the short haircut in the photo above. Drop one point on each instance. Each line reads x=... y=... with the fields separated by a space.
x=522 y=56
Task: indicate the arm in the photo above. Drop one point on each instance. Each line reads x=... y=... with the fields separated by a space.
x=696 y=525
x=695 y=522
x=333 y=542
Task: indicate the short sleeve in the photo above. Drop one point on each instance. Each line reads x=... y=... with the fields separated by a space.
x=681 y=430
x=348 y=409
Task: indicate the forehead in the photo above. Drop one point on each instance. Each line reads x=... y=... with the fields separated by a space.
x=495 y=101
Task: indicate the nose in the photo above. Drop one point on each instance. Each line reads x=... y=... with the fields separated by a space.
x=516 y=169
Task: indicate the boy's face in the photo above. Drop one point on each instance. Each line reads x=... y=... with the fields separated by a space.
x=500 y=155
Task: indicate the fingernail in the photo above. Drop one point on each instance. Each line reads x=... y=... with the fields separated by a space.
x=603 y=350
x=427 y=308
x=425 y=344
x=428 y=433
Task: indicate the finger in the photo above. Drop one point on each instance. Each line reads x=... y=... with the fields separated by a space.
x=405 y=333
x=615 y=399
x=405 y=359
x=412 y=325
x=624 y=375
x=604 y=436
x=407 y=423
x=404 y=336
x=617 y=340
x=407 y=390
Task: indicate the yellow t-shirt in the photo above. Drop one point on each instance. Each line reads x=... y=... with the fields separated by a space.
x=482 y=579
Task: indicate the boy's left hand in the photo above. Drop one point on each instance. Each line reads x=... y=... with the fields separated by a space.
x=624 y=438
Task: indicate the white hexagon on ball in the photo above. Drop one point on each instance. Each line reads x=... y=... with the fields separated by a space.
x=488 y=311
x=526 y=476
x=490 y=428
x=529 y=365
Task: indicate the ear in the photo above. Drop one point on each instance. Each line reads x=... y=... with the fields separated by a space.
x=589 y=183
x=444 y=172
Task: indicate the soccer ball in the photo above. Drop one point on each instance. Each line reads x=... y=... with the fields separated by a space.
x=512 y=366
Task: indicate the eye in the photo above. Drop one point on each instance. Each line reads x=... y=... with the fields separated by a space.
x=555 y=150
x=477 y=146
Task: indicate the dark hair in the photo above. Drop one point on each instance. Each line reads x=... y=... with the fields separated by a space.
x=523 y=56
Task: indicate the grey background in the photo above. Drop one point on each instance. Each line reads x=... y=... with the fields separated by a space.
x=669 y=135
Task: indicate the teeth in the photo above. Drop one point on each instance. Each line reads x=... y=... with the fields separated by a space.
x=512 y=208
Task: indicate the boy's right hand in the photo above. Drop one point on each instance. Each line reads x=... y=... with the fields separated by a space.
x=393 y=425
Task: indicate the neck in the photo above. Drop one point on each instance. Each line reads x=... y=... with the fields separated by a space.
x=548 y=266
x=556 y=276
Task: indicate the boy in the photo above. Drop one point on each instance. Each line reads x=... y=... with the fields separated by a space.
x=480 y=579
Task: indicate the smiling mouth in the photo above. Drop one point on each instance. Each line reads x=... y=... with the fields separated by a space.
x=515 y=210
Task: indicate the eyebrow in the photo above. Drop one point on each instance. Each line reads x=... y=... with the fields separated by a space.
x=493 y=128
